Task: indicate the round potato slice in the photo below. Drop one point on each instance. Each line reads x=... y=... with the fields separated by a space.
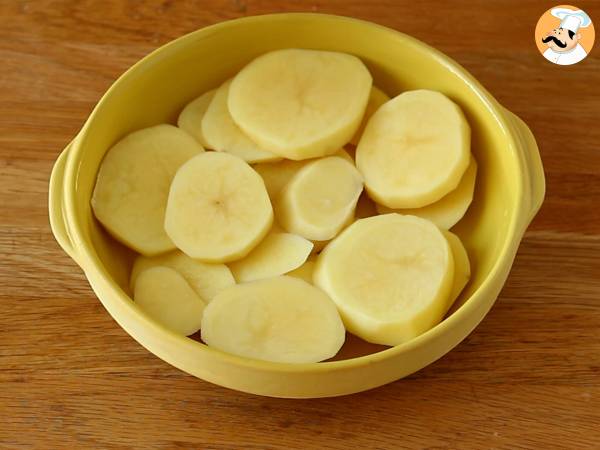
x=190 y=118
x=277 y=254
x=320 y=199
x=218 y=208
x=133 y=183
x=280 y=319
x=222 y=134
x=448 y=211
x=298 y=103
x=376 y=98
x=462 y=266
x=204 y=278
x=390 y=277
x=166 y=297
x=414 y=150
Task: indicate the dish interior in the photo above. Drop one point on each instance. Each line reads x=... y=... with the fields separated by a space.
x=156 y=89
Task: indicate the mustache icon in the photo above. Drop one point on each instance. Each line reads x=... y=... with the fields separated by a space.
x=555 y=40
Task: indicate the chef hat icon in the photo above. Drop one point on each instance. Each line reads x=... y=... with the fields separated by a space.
x=571 y=19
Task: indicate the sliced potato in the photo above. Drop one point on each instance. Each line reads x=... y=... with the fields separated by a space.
x=204 y=278
x=280 y=319
x=448 y=211
x=390 y=277
x=190 y=119
x=298 y=103
x=320 y=198
x=222 y=134
x=376 y=98
x=218 y=208
x=133 y=183
x=164 y=295
x=305 y=271
x=414 y=150
x=277 y=174
x=278 y=253
x=462 y=266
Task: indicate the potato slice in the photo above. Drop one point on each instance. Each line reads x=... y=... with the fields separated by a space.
x=448 y=211
x=277 y=254
x=320 y=199
x=165 y=296
x=390 y=277
x=218 y=208
x=277 y=174
x=222 y=134
x=204 y=278
x=462 y=267
x=414 y=150
x=305 y=271
x=133 y=183
x=298 y=103
x=190 y=118
x=280 y=319
x=376 y=98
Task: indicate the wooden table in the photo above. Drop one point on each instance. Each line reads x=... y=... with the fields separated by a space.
x=528 y=377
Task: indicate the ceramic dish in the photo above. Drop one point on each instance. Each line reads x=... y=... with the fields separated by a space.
x=509 y=191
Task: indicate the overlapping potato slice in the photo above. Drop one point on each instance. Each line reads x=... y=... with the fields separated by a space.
x=218 y=208
x=278 y=253
x=414 y=150
x=190 y=118
x=448 y=211
x=166 y=297
x=205 y=279
x=390 y=277
x=133 y=184
x=222 y=134
x=320 y=198
x=299 y=103
x=280 y=319
x=376 y=98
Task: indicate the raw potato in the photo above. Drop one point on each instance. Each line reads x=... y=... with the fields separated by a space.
x=190 y=119
x=390 y=277
x=305 y=271
x=278 y=253
x=462 y=267
x=280 y=319
x=204 y=278
x=133 y=183
x=223 y=135
x=277 y=174
x=414 y=150
x=167 y=298
x=376 y=98
x=218 y=208
x=320 y=198
x=300 y=104
x=448 y=211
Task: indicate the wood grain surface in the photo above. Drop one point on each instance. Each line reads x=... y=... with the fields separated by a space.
x=527 y=377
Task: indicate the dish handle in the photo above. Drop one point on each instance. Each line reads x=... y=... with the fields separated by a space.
x=55 y=205
x=533 y=164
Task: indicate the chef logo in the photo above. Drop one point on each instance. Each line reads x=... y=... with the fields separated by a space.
x=564 y=35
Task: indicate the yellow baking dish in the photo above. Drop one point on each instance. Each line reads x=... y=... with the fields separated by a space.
x=510 y=189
